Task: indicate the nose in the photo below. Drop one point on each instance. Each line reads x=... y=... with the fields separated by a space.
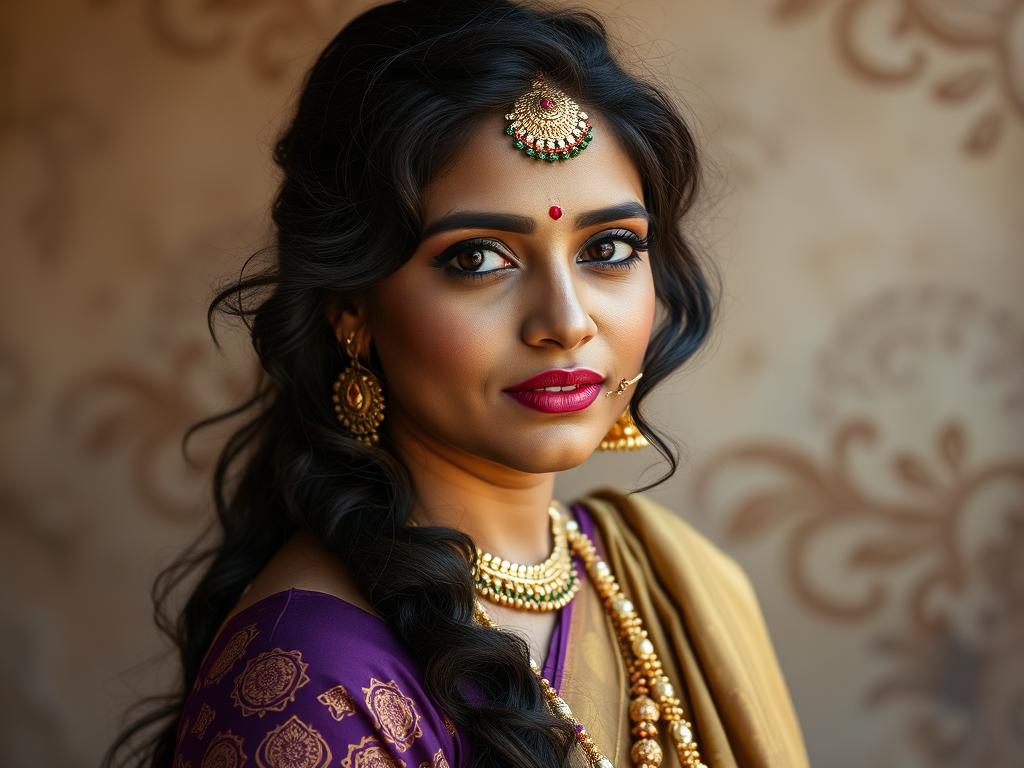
x=556 y=313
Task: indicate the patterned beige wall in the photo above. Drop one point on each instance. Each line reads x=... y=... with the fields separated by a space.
x=854 y=434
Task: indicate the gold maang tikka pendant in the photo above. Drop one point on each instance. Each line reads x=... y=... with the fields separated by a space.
x=546 y=124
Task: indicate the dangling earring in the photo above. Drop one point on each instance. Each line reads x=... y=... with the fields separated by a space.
x=623 y=436
x=358 y=398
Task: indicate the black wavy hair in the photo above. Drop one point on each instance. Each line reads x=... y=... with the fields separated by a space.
x=380 y=113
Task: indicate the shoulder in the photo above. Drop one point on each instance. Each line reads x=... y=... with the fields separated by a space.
x=305 y=672
x=303 y=563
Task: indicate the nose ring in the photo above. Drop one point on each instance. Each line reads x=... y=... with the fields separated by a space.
x=623 y=383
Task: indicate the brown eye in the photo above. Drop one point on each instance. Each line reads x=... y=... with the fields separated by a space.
x=610 y=250
x=475 y=259
x=470 y=260
x=604 y=250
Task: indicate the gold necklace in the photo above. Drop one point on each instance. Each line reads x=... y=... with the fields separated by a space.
x=652 y=696
x=545 y=586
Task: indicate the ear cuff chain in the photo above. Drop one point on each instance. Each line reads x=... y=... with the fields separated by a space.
x=546 y=124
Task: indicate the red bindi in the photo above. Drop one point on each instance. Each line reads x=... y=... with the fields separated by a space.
x=555 y=212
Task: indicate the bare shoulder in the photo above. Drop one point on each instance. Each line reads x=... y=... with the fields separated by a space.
x=303 y=563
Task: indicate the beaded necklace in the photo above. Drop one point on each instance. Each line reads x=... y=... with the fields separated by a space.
x=652 y=696
x=545 y=586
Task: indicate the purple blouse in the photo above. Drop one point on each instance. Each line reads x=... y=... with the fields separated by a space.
x=304 y=679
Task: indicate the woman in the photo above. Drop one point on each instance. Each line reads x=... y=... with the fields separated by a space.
x=478 y=218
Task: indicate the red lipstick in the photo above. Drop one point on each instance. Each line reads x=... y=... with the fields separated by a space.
x=583 y=386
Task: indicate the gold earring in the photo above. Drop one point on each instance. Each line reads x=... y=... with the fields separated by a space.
x=623 y=436
x=358 y=398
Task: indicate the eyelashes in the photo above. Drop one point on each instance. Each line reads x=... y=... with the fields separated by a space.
x=486 y=246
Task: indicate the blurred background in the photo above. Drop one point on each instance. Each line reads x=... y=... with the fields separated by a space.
x=853 y=434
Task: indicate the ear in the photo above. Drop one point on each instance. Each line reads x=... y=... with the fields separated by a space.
x=346 y=317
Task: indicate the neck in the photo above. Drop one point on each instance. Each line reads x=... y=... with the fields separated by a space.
x=503 y=510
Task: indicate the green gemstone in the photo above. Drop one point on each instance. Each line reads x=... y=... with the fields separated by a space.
x=583 y=144
x=552 y=157
x=566 y=155
x=542 y=155
x=575 y=151
x=510 y=131
x=530 y=153
x=590 y=135
x=519 y=144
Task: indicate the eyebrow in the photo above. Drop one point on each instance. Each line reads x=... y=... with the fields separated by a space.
x=510 y=222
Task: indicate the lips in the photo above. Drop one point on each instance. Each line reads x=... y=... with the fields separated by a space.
x=531 y=393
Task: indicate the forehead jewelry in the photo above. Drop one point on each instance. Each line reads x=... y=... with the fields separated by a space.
x=548 y=125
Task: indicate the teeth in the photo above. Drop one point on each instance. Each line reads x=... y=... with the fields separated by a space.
x=558 y=389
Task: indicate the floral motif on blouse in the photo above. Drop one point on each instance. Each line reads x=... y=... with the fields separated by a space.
x=293 y=744
x=369 y=753
x=233 y=651
x=439 y=761
x=394 y=713
x=225 y=751
x=279 y=659
x=203 y=720
x=269 y=682
x=338 y=702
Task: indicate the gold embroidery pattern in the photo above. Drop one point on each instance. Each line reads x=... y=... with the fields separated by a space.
x=338 y=702
x=439 y=761
x=294 y=744
x=203 y=720
x=368 y=753
x=225 y=751
x=269 y=682
x=448 y=725
x=233 y=651
x=393 y=713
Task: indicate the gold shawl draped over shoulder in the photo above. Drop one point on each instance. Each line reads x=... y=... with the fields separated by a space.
x=701 y=612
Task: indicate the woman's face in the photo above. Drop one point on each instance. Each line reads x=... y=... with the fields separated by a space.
x=499 y=290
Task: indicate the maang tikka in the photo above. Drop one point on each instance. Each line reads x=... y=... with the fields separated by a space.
x=358 y=398
x=546 y=124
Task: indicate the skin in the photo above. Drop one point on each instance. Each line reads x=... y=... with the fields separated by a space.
x=480 y=461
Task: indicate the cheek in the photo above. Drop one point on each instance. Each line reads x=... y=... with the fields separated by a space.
x=630 y=318
x=417 y=331
x=647 y=305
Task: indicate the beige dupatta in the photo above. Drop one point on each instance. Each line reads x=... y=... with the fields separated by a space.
x=703 y=617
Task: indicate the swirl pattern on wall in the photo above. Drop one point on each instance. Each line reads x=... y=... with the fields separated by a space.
x=891 y=42
x=940 y=544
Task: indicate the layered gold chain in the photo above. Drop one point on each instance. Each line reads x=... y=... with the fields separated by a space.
x=652 y=695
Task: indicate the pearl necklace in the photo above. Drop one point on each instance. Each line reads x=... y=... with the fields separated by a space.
x=652 y=696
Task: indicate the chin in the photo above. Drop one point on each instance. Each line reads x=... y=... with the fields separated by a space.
x=555 y=455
